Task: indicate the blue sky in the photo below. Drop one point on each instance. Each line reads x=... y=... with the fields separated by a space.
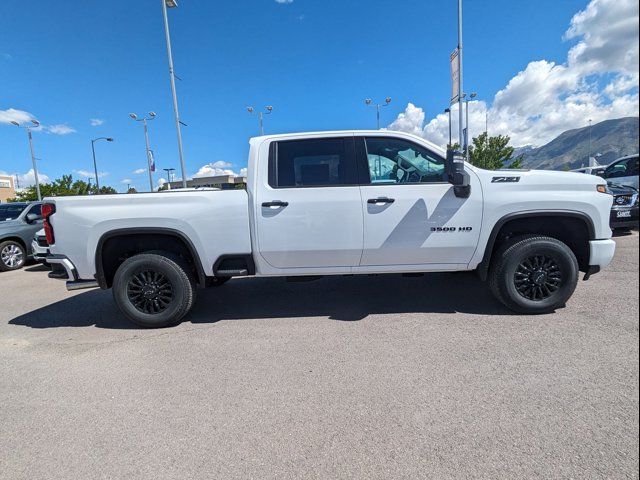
x=67 y=62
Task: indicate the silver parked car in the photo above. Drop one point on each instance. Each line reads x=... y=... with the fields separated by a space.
x=19 y=222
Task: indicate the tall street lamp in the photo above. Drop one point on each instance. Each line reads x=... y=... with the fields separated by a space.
x=172 y=77
x=448 y=110
x=35 y=123
x=369 y=102
x=150 y=164
x=589 y=155
x=460 y=86
x=466 y=130
x=268 y=110
x=169 y=172
x=95 y=165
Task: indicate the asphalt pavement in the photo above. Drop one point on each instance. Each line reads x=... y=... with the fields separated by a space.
x=348 y=377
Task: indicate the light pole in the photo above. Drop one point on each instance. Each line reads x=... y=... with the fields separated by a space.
x=369 y=102
x=95 y=165
x=172 y=77
x=268 y=110
x=460 y=87
x=35 y=123
x=150 y=164
x=589 y=155
x=466 y=130
x=169 y=170
x=448 y=110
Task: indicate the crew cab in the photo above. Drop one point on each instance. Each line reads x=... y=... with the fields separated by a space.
x=337 y=203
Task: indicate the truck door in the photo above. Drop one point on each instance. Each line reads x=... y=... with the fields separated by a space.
x=411 y=215
x=308 y=212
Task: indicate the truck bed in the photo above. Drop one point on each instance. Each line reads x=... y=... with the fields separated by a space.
x=215 y=221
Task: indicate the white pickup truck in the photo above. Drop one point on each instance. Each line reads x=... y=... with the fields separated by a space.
x=337 y=203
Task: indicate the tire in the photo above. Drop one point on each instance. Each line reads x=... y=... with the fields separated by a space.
x=533 y=274
x=154 y=290
x=13 y=256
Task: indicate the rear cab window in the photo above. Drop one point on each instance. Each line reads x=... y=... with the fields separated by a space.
x=325 y=162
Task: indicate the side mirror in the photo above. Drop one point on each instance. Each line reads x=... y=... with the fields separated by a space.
x=33 y=217
x=458 y=177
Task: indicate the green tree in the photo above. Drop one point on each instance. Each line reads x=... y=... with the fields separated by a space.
x=493 y=153
x=62 y=187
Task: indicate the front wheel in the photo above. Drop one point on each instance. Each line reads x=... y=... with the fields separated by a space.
x=12 y=256
x=153 y=290
x=534 y=274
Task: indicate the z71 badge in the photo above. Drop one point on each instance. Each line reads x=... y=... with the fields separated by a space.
x=505 y=179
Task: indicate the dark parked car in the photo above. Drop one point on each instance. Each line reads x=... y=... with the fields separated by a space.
x=19 y=222
x=624 y=213
x=623 y=171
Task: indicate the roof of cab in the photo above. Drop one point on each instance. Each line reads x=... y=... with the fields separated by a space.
x=329 y=133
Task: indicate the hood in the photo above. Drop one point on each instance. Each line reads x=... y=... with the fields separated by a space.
x=621 y=189
x=550 y=178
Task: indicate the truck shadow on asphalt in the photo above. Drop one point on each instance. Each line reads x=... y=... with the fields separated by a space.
x=338 y=298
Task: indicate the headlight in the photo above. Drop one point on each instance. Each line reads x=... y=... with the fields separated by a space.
x=604 y=189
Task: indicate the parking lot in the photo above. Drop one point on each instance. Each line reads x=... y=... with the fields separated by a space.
x=349 y=377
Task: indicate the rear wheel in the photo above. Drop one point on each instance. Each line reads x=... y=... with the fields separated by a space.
x=154 y=290
x=534 y=274
x=12 y=256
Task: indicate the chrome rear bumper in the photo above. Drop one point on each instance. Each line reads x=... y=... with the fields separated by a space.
x=64 y=269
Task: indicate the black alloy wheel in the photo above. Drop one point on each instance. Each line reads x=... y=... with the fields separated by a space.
x=538 y=277
x=150 y=291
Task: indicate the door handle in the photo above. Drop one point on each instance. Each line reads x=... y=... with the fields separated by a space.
x=275 y=203
x=375 y=201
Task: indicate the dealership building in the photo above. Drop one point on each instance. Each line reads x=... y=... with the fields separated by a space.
x=223 y=182
x=7 y=188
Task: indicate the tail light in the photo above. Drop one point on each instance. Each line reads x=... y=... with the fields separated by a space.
x=48 y=209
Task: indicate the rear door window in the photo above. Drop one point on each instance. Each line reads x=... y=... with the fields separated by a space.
x=312 y=163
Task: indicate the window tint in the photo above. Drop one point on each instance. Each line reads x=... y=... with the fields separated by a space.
x=312 y=163
x=623 y=168
x=396 y=161
x=10 y=212
x=632 y=168
x=36 y=209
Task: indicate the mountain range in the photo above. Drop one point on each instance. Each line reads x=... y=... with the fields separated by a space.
x=610 y=139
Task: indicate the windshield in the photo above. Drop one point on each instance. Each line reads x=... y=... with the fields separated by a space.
x=10 y=212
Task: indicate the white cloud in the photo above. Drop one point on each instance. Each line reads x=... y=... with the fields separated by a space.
x=88 y=173
x=28 y=179
x=284 y=1
x=21 y=116
x=59 y=129
x=211 y=171
x=546 y=98
x=139 y=171
x=126 y=181
x=96 y=122
x=13 y=115
x=218 y=168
